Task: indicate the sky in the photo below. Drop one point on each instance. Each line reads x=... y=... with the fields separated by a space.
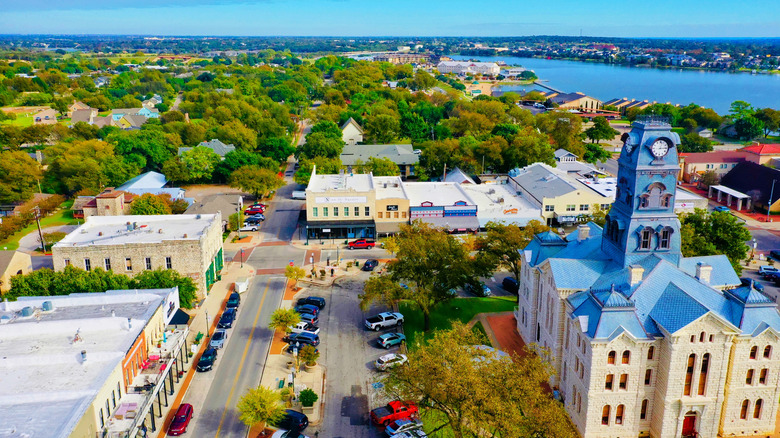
x=650 y=18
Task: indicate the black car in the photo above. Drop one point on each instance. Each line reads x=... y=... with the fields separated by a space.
x=312 y=301
x=207 y=360
x=749 y=281
x=370 y=264
x=302 y=338
x=775 y=254
x=307 y=308
x=254 y=220
x=293 y=421
x=227 y=319
x=233 y=301
x=510 y=284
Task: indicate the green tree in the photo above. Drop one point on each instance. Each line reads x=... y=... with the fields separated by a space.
x=325 y=166
x=502 y=244
x=601 y=130
x=475 y=392
x=429 y=261
x=693 y=142
x=168 y=278
x=528 y=147
x=153 y=145
x=414 y=127
x=382 y=128
x=564 y=128
x=329 y=129
x=319 y=144
x=148 y=204
x=284 y=318
x=378 y=166
x=277 y=148
x=740 y=109
x=19 y=176
x=770 y=118
x=718 y=232
x=595 y=154
x=256 y=180
x=259 y=406
x=200 y=163
x=709 y=178
x=236 y=133
x=423 y=80
x=749 y=128
x=234 y=160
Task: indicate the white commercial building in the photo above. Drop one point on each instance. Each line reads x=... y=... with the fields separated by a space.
x=468 y=67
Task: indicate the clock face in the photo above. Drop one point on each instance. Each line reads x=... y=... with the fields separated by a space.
x=659 y=148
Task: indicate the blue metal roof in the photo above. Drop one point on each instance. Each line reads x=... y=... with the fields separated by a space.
x=144 y=180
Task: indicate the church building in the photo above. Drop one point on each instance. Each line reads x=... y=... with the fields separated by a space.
x=644 y=341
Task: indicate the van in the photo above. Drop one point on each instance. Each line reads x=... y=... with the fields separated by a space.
x=510 y=284
x=299 y=194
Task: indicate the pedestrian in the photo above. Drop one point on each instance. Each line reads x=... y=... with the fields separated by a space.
x=332 y=271
x=311 y=259
x=328 y=261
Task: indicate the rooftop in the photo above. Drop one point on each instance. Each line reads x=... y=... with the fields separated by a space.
x=763 y=149
x=714 y=157
x=47 y=385
x=144 y=181
x=497 y=202
x=397 y=153
x=542 y=181
x=603 y=186
x=120 y=230
x=344 y=181
x=439 y=193
x=389 y=187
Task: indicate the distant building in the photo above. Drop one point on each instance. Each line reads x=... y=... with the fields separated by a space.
x=401 y=58
x=118 y=113
x=188 y=244
x=469 y=68
x=762 y=153
x=573 y=100
x=693 y=165
x=76 y=106
x=757 y=185
x=351 y=132
x=401 y=154
x=109 y=203
x=151 y=182
x=13 y=263
x=83 y=115
x=215 y=145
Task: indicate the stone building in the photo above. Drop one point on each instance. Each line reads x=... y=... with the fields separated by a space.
x=189 y=244
x=644 y=341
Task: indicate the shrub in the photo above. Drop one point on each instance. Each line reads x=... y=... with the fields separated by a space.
x=308 y=397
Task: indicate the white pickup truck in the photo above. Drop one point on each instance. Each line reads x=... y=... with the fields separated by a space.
x=303 y=326
x=384 y=320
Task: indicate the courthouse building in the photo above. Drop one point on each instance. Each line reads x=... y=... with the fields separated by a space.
x=645 y=341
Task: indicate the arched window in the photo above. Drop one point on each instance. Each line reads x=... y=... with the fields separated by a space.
x=608 y=383
x=705 y=365
x=749 y=377
x=757 y=408
x=626 y=357
x=648 y=376
x=744 y=411
x=768 y=352
x=650 y=353
x=701 y=337
x=611 y=358
x=619 y=414
x=623 y=382
x=753 y=352
x=643 y=411
x=689 y=374
x=645 y=237
x=762 y=376
x=605 y=415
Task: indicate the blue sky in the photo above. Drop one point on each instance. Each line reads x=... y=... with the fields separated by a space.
x=651 y=18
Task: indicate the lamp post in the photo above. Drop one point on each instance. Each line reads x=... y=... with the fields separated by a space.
x=207 y=323
x=753 y=252
x=242 y=257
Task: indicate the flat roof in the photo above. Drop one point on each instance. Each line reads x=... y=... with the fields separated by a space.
x=730 y=191
x=356 y=182
x=681 y=194
x=542 y=181
x=47 y=387
x=114 y=230
x=497 y=202
x=605 y=186
x=389 y=187
x=439 y=193
x=397 y=153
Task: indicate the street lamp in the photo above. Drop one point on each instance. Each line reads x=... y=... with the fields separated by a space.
x=755 y=244
x=242 y=257
x=207 y=323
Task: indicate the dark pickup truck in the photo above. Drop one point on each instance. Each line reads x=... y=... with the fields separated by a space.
x=395 y=410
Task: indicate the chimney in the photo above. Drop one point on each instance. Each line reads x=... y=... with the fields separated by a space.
x=636 y=273
x=582 y=232
x=83 y=356
x=703 y=272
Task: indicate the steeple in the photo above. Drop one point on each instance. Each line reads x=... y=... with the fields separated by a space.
x=642 y=219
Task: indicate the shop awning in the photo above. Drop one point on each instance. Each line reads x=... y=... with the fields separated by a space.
x=322 y=225
x=388 y=227
x=454 y=222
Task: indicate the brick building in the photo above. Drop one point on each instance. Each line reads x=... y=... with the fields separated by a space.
x=189 y=244
x=644 y=341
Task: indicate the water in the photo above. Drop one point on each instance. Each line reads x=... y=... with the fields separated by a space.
x=715 y=90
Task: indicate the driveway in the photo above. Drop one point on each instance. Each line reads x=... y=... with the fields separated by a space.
x=31 y=241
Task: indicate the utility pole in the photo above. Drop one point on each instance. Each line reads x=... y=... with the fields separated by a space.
x=771 y=195
x=40 y=233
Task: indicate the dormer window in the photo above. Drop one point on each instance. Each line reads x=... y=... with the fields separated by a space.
x=645 y=237
x=656 y=196
x=665 y=238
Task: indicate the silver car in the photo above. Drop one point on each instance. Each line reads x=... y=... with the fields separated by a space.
x=218 y=339
x=389 y=361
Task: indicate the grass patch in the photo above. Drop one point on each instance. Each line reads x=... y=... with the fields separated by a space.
x=20 y=121
x=458 y=309
x=479 y=330
x=62 y=217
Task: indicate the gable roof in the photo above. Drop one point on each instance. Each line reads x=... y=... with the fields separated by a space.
x=5 y=259
x=135 y=120
x=352 y=122
x=752 y=178
x=122 y=111
x=144 y=181
x=458 y=176
x=101 y=122
x=714 y=157
x=82 y=115
x=215 y=145
x=763 y=149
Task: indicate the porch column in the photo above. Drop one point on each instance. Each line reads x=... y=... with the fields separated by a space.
x=739 y=204
x=709 y=192
x=720 y=195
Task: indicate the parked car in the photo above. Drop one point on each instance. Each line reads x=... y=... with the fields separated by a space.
x=479 y=289
x=302 y=338
x=775 y=254
x=181 y=420
x=218 y=339
x=370 y=264
x=417 y=433
x=281 y=433
x=255 y=209
x=749 y=281
x=206 y=361
x=248 y=227
x=302 y=327
x=309 y=319
x=766 y=269
x=384 y=320
x=390 y=360
x=361 y=244
x=227 y=319
x=293 y=421
x=314 y=301
x=387 y=340
x=308 y=308
x=510 y=284
x=255 y=220
x=403 y=425
x=721 y=208
x=393 y=411
x=233 y=300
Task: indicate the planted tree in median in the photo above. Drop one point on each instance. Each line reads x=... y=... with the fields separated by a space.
x=259 y=406
x=283 y=319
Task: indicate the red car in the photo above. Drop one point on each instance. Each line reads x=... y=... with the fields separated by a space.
x=181 y=420
x=361 y=244
x=394 y=410
x=255 y=209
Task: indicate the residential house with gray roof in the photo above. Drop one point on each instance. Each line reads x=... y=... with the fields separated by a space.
x=215 y=145
x=401 y=154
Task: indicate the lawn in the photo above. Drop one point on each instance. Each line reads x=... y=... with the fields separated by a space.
x=62 y=217
x=458 y=309
x=20 y=121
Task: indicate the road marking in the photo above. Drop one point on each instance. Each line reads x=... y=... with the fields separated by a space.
x=243 y=359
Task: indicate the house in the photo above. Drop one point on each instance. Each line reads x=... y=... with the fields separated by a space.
x=132 y=121
x=45 y=117
x=224 y=204
x=694 y=164
x=468 y=68
x=130 y=245
x=118 y=113
x=152 y=101
x=215 y=145
x=644 y=341
x=351 y=132
x=104 y=121
x=401 y=154
x=83 y=115
x=756 y=183
x=76 y=106
x=762 y=153
x=566 y=161
x=108 y=203
x=13 y=263
x=704 y=132
x=101 y=81
x=573 y=100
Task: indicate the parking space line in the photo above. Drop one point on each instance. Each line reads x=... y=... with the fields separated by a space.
x=243 y=358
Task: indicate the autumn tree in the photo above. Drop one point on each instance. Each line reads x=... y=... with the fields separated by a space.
x=478 y=392
x=148 y=204
x=19 y=176
x=564 y=128
x=284 y=318
x=256 y=180
x=502 y=244
x=429 y=261
x=259 y=406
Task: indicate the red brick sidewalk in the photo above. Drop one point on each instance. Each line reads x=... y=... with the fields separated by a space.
x=504 y=328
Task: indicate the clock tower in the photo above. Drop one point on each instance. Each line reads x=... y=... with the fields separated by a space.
x=642 y=219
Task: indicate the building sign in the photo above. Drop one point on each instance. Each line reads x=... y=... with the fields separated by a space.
x=326 y=230
x=684 y=205
x=510 y=211
x=392 y=208
x=340 y=200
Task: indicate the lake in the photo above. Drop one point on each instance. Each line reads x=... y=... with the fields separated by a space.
x=715 y=90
